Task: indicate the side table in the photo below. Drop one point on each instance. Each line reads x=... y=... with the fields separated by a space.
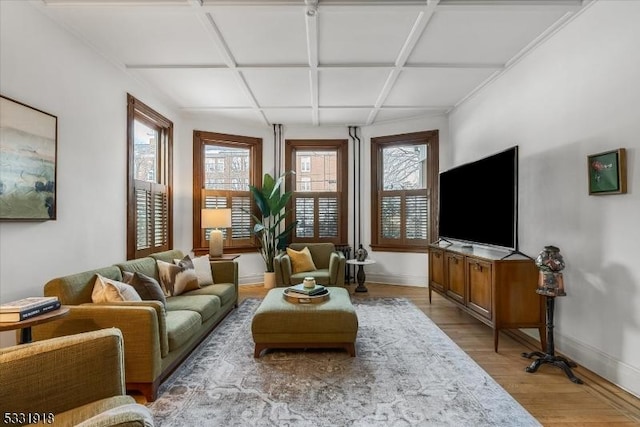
x=361 y=276
x=25 y=325
x=224 y=257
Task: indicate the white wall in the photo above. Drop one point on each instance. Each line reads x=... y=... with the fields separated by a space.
x=577 y=94
x=43 y=66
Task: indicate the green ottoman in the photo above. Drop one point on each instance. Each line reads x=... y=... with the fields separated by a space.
x=278 y=323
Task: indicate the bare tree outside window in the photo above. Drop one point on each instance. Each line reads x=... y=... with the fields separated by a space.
x=404 y=167
x=404 y=176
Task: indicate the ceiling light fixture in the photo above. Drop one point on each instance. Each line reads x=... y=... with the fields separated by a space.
x=312 y=7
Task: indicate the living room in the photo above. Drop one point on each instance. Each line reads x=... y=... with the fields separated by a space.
x=574 y=95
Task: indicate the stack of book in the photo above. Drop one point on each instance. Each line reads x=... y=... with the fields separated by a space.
x=300 y=289
x=26 y=308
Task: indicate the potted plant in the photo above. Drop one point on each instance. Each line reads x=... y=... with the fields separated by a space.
x=269 y=230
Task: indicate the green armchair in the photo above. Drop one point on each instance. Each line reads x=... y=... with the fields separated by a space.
x=330 y=265
x=68 y=381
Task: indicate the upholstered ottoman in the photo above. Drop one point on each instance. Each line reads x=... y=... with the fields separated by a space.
x=278 y=323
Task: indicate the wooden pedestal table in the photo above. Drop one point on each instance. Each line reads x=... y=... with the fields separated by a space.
x=25 y=325
x=361 y=276
x=550 y=357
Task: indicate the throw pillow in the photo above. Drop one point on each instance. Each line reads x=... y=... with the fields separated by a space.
x=109 y=290
x=301 y=260
x=177 y=279
x=203 y=270
x=201 y=266
x=147 y=287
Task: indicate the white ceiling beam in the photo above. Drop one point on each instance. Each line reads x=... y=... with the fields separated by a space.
x=217 y=38
x=410 y=43
x=266 y=67
x=346 y=3
x=323 y=107
x=206 y=19
x=311 y=23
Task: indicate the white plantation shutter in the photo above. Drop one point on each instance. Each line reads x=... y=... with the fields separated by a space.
x=151 y=217
x=390 y=216
x=404 y=216
x=318 y=216
x=416 y=217
x=143 y=213
x=305 y=215
x=241 y=221
x=328 y=217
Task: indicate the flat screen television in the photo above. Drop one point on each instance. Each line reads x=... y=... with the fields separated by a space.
x=479 y=201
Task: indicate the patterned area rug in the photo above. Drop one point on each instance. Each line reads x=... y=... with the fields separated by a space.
x=407 y=372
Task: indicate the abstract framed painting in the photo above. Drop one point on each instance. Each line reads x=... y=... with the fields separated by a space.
x=28 y=151
x=608 y=172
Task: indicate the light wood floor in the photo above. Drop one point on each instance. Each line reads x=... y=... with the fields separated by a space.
x=547 y=394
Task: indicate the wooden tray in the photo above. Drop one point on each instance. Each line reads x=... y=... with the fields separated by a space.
x=296 y=298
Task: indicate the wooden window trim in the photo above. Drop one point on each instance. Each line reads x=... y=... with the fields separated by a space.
x=139 y=110
x=431 y=138
x=200 y=140
x=341 y=146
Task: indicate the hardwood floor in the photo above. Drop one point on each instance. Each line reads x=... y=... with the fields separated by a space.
x=547 y=394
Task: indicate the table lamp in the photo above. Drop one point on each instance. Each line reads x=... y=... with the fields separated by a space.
x=215 y=219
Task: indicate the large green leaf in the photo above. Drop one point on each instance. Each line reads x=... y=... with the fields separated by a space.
x=272 y=205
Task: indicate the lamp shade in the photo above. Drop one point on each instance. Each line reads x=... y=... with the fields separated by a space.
x=215 y=218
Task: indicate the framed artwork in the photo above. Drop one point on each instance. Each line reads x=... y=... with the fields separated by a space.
x=28 y=148
x=608 y=172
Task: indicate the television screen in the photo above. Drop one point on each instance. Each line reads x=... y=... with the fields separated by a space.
x=479 y=201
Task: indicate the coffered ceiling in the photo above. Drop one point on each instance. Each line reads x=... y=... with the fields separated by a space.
x=307 y=62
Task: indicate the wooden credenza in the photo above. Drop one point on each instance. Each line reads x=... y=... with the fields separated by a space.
x=499 y=292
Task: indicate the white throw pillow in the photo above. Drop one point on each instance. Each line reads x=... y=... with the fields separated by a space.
x=109 y=290
x=177 y=279
x=201 y=266
x=203 y=270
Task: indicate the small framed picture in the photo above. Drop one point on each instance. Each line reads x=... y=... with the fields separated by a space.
x=608 y=172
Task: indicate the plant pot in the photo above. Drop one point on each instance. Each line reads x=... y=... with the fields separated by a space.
x=269 y=280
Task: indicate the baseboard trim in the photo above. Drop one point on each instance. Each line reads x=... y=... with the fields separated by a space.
x=592 y=362
x=401 y=280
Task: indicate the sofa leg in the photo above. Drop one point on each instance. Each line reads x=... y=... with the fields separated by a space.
x=148 y=390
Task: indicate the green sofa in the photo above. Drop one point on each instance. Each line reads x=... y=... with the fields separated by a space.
x=69 y=381
x=155 y=340
x=329 y=264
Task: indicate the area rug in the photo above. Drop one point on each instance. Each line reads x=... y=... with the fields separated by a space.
x=407 y=372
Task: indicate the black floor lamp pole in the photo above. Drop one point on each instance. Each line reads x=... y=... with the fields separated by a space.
x=550 y=356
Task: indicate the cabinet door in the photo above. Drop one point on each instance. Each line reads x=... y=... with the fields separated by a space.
x=436 y=269
x=479 y=277
x=454 y=265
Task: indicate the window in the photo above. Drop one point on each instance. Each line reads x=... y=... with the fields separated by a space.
x=149 y=179
x=223 y=168
x=305 y=164
x=319 y=200
x=404 y=176
x=304 y=184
